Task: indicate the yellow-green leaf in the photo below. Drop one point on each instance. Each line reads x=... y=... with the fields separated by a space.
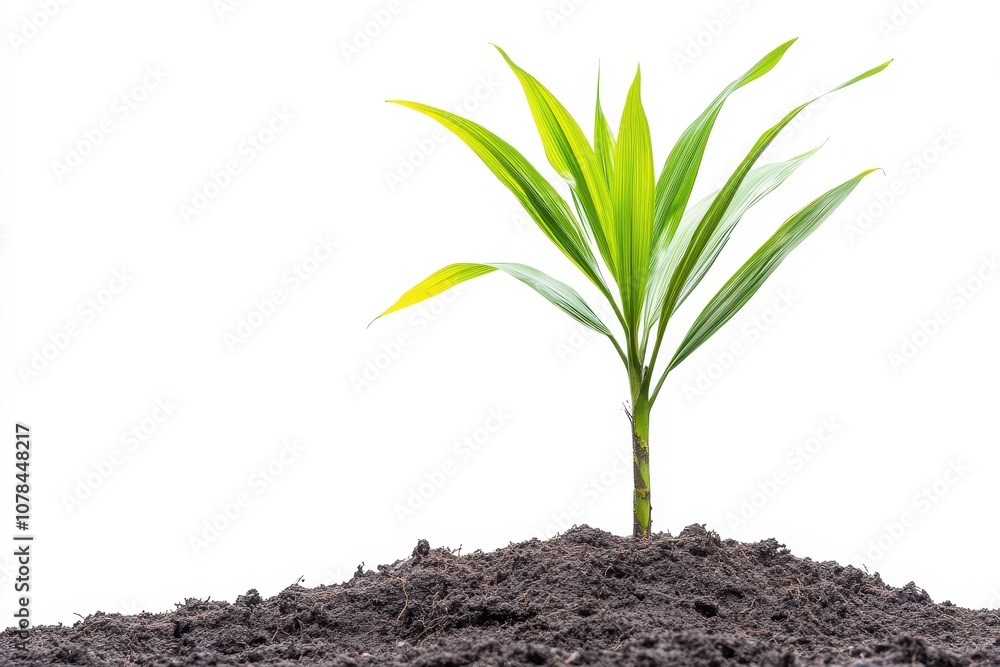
x=716 y=212
x=673 y=188
x=760 y=182
x=573 y=158
x=604 y=141
x=748 y=279
x=632 y=190
x=539 y=198
x=561 y=295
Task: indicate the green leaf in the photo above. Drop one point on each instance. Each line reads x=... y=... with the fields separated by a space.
x=748 y=279
x=673 y=188
x=708 y=226
x=559 y=294
x=573 y=158
x=604 y=141
x=545 y=206
x=759 y=183
x=632 y=191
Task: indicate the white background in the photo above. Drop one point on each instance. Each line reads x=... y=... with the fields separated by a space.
x=858 y=288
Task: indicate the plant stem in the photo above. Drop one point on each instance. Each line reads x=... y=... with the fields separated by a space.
x=640 y=458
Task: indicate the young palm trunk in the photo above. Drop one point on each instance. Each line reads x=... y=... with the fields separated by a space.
x=640 y=459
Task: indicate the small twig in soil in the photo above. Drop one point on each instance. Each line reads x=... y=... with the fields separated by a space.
x=406 y=603
x=943 y=613
x=560 y=611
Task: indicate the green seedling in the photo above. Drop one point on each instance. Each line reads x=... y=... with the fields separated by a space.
x=632 y=234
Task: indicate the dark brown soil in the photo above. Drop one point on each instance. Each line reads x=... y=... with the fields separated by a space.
x=584 y=598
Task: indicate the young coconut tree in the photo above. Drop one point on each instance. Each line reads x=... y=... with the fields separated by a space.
x=652 y=249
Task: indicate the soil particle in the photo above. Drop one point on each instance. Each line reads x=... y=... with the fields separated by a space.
x=422 y=549
x=584 y=598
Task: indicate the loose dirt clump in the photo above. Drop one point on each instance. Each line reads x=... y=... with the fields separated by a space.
x=584 y=598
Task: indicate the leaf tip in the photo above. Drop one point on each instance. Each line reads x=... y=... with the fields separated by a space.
x=787 y=45
x=416 y=106
x=860 y=177
x=883 y=65
x=504 y=54
x=636 y=82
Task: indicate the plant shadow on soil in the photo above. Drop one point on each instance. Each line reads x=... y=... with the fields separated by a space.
x=583 y=598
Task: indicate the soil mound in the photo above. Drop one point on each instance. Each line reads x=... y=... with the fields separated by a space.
x=584 y=598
